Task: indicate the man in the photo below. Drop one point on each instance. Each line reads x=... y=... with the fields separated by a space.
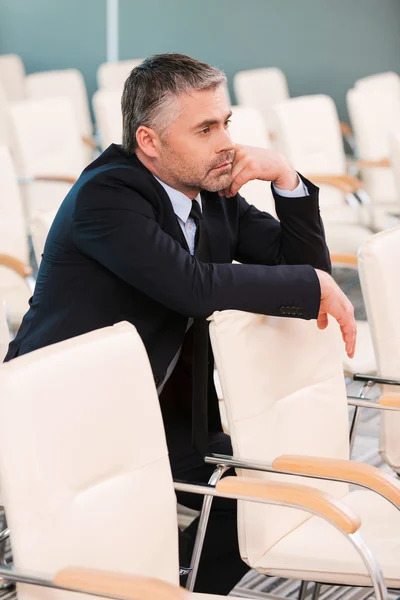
x=148 y=235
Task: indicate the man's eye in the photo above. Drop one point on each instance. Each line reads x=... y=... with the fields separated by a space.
x=205 y=130
x=228 y=122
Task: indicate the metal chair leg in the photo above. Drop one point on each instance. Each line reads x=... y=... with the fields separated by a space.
x=303 y=590
x=356 y=416
x=202 y=528
x=316 y=591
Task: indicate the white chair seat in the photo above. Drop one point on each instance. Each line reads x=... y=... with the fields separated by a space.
x=364 y=358
x=317 y=551
x=345 y=239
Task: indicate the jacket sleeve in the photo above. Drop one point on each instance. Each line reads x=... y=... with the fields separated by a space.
x=298 y=238
x=117 y=227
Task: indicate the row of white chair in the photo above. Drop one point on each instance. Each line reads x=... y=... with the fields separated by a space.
x=289 y=430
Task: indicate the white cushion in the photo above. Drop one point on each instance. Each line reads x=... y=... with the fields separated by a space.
x=316 y=551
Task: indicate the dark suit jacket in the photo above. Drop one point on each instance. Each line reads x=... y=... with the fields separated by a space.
x=116 y=252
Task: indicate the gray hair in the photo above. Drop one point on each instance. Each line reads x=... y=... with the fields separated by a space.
x=151 y=90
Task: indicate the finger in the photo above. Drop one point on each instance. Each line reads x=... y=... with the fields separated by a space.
x=348 y=328
x=322 y=320
x=246 y=174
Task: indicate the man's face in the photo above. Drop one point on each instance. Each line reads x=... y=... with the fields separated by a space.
x=197 y=153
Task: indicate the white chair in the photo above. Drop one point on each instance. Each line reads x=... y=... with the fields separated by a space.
x=261 y=89
x=389 y=82
x=12 y=76
x=379 y=264
x=112 y=75
x=395 y=157
x=83 y=452
x=40 y=228
x=49 y=153
x=374 y=114
x=70 y=84
x=287 y=413
x=4 y=332
x=108 y=115
x=310 y=136
x=16 y=283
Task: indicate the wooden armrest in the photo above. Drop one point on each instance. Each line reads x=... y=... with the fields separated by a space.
x=366 y=164
x=343 y=470
x=344 y=183
x=89 y=141
x=345 y=259
x=345 y=128
x=298 y=495
x=13 y=263
x=55 y=178
x=118 y=585
x=390 y=400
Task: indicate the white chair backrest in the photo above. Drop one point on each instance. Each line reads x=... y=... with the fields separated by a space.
x=12 y=76
x=379 y=266
x=48 y=142
x=388 y=82
x=108 y=114
x=374 y=114
x=40 y=228
x=395 y=157
x=4 y=331
x=283 y=386
x=247 y=127
x=65 y=82
x=112 y=76
x=309 y=132
x=13 y=239
x=261 y=89
x=13 y=235
x=4 y=118
x=81 y=436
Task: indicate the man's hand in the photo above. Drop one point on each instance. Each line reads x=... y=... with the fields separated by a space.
x=260 y=163
x=335 y=303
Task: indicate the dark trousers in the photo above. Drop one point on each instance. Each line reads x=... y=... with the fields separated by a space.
x=220 y=566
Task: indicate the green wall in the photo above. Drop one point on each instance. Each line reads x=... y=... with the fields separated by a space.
x=321 y=45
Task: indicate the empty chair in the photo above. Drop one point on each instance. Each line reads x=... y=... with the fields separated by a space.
x=374 y=114
x=4 y=333
x=40 y=227
x=115 y=476
x=379 y=264
x=395 y=157
x=112 y=75
x=15 y=282
x=289 y=416
x=68 y=83
x=389 y=82
x=108 y=115
x=49 y=153
x=310 y=136
x=12 y=76
x=261 y=89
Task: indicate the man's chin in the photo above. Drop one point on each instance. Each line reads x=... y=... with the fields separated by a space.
x=217 y=184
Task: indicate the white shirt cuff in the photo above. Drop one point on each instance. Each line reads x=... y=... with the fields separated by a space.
x=298 y=192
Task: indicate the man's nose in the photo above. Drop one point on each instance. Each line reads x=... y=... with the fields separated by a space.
x=224 y=143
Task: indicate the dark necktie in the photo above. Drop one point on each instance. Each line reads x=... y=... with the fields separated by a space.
x=200 y=347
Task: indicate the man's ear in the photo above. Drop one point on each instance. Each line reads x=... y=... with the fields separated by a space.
x=148 y=141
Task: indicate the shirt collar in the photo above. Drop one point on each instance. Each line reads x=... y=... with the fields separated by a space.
x=181 y=204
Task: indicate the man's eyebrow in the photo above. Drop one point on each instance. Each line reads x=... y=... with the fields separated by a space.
x=210 y=122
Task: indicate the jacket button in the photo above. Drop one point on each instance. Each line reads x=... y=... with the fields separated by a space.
x=282 y=310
